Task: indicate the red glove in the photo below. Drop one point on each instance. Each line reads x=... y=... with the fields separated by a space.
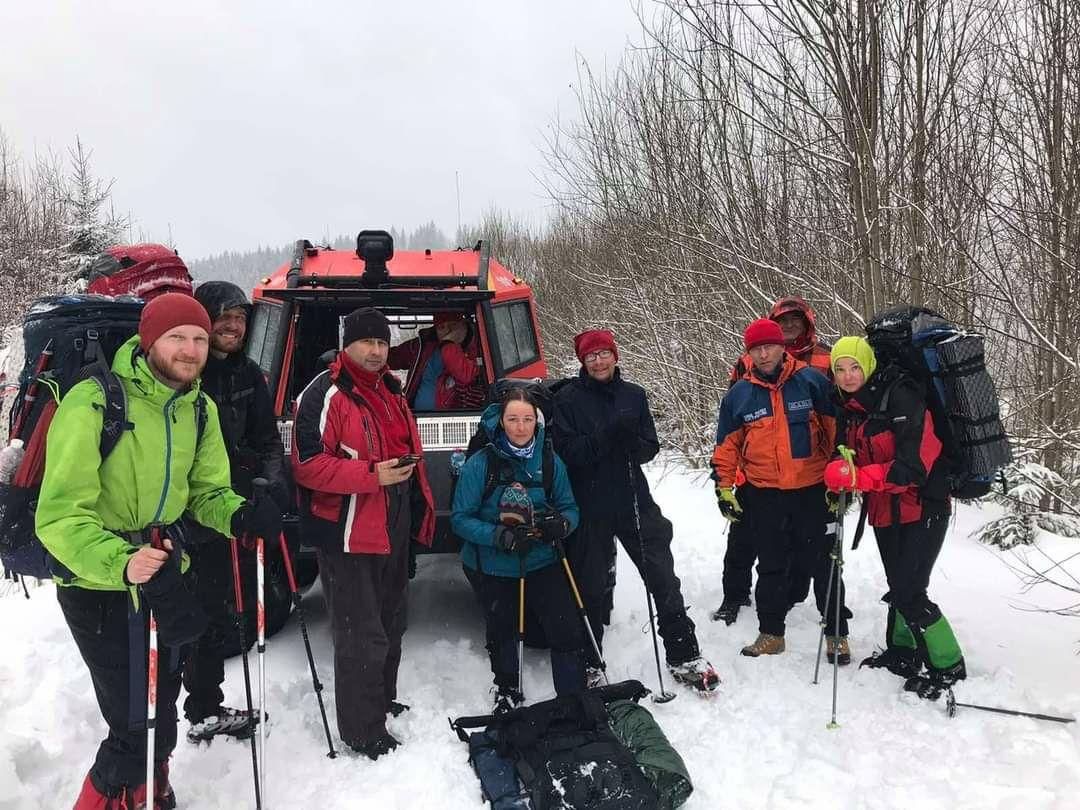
x=870 y=478
x=839 y=475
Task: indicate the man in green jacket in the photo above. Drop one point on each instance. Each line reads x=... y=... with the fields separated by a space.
x=112 y=525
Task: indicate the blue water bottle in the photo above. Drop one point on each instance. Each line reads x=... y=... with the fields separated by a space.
x=457 y=461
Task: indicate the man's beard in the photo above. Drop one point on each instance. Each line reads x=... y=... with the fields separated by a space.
x=173 y=373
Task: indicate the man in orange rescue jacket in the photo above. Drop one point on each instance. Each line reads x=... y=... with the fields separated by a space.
x=777 y=424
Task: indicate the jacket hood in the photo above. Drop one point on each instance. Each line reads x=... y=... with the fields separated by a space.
x=489 y=421
x=218 y=296
x=793 y=303
x=130 y=363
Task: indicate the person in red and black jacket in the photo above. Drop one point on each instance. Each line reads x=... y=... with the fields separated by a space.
x=898 y=464
x=361 y=508
x=799 y=326
x=443 y=374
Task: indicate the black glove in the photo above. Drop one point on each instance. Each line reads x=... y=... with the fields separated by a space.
x=258 y=518
x=516 y=539
x=180 y=619
x=552 y=526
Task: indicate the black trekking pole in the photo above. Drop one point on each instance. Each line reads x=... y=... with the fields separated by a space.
x=664 y=696
x=259 y=486
x=951 y=703
x=832 y=578
x=521 y=626
x=839 y=565
x=561 y=551
x=239 y=600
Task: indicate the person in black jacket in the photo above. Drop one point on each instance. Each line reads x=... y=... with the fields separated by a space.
x=604 y=432
x=238 y=388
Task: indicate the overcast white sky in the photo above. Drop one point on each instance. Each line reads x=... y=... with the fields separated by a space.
x=240 y=123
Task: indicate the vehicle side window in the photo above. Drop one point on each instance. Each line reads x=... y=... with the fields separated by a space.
x=515 y=335
x=266 y=334
x=256 y=335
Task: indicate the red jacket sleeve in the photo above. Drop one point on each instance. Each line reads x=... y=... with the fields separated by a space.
x=459 y=362
x=324 y=460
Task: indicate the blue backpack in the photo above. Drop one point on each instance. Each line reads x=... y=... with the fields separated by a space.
x=961 y=395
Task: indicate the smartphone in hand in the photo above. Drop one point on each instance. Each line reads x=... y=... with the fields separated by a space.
x=405 y=461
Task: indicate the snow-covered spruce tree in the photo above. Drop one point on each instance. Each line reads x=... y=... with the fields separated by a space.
x=1025 y=505
x=90 y=223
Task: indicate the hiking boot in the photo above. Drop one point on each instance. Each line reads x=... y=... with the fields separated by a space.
x=505 y=699
x=837 y=647
x=594 y=677
x=396 y=709
x=764 y=645
x=230 y=722
x=898 y=660
x=373 y=749
x=728 y=611
x=696 y=673
x=933 y=682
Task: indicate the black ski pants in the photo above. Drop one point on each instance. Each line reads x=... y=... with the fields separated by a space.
x=112 y=640
x=366 y=598
x=548 y=598
x=788 y=532
x=908 y=552
x=739 y=561
x=204 y=671
x=591 y=551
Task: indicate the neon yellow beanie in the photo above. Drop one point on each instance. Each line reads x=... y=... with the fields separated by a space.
x=858 y=350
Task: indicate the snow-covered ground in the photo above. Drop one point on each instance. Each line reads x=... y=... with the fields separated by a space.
x=762 y=742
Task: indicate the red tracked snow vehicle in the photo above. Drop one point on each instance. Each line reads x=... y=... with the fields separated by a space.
x=296 y=321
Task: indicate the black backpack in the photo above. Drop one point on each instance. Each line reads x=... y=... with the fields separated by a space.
x=559 y=753
x=66 y=339
x=950 y=363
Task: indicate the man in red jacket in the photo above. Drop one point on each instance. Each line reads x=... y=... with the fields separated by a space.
x=363 y=498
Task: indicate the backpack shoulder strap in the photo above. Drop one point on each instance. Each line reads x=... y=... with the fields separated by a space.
x=497 y=475
x=201 y=415
x=547 y=470
x=114 y=420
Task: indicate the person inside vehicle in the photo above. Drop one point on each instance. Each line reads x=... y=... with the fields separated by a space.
x=442 y=365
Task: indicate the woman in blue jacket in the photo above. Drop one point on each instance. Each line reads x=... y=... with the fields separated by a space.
x=509 y=530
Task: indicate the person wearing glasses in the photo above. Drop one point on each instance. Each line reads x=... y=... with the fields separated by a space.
x=604 y=431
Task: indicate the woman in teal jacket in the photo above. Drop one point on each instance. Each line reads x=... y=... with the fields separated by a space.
x=510 y=531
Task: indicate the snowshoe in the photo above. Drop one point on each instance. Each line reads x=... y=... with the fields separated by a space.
x=373 y=749
x=235 y=723
x=594 y=677
x=931 y=684
x=396 y=709
x=728 y=611
x=505 y=699
x=696 y=673
x=897 y=660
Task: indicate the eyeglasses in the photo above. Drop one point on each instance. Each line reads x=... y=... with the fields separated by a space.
x=603 y=354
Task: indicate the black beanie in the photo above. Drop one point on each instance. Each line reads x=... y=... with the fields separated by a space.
x=365 y=323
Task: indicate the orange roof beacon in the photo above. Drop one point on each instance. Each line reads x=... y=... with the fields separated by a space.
x=295 y=328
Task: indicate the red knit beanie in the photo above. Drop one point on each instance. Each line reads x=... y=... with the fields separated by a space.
x=594 y=340
x=763 y=332
x=167 y=312
x=448 y=317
